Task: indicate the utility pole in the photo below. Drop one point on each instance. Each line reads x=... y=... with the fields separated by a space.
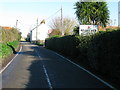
x=114 y=22
x=16 y=23
x=62 y=22
x=37 y=31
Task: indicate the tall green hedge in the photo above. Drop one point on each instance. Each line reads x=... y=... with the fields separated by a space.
x=66 y=45
x=104 y=54
x=100 y=51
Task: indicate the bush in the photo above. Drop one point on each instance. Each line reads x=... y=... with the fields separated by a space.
x=100 y=51
x=104 y=54
x=0 y=50
x=84 y=42
x=9 y=35
x=6 y=50
x=66 y=45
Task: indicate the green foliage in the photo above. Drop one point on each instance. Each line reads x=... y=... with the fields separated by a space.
x=111 y=29
x=28 y=37
x=95 y=13
x=0 y=50
x=100 y=51
x=6 y=50
x=10 y=35
x=76 y=30
x=55 y=36
x=66 y=45
x=14 y=44
x=104 y=53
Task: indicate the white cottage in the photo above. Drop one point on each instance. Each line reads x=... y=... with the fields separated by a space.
x=42 y=33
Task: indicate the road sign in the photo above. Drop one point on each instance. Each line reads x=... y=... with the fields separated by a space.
x=88 y=29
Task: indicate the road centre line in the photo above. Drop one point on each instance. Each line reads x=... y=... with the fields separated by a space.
x=1 y=71
x=45 y=71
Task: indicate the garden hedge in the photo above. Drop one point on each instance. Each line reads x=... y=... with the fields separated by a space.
x=100 y=51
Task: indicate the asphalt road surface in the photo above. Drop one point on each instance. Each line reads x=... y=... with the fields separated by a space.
x=37 y=67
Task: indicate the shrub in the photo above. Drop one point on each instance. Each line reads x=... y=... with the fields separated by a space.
x=9 y=35
x=100 y=51
x=6 y=50
x=104 y=54
x=66 y=45
x=84 y=42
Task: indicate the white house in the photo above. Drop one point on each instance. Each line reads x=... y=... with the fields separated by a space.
x=42 y=33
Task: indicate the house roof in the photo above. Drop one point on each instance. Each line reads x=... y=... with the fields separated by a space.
x=6 y=27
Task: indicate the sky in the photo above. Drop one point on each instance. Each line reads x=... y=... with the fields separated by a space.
x=27 y=12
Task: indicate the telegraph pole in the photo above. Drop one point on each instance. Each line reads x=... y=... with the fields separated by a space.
x=37 y=31
x=114 y=22
x=62 y=22
x=16 y=23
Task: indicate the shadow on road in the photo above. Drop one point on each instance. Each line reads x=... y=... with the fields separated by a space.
x=13 y=49
x=37 y=77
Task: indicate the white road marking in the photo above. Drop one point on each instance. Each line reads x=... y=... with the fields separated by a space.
x=87 y=72
x=10 y=61
x=45 y=71
x=48 y=80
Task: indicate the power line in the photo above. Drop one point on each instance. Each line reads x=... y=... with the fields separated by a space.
x=52 y=14
x=47 y=18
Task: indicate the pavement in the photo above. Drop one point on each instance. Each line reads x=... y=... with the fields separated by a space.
x=37 y=67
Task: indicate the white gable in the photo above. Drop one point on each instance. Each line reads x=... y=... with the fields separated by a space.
x=42 y=32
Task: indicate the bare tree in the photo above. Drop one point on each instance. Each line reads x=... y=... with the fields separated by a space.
x=65 y=26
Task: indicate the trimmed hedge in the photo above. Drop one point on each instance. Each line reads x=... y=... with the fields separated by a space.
x=66 y=45
x=100 y=51
x=104 y=54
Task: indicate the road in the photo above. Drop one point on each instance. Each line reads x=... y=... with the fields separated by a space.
x=37 y=67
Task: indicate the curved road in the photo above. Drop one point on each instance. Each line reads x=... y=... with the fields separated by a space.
x=37 y=67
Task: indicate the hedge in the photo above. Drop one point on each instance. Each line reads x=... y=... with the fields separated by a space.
x=6 y=50
x=100 y=51
x=9 y=35
x=104 y=54
x=63 y=45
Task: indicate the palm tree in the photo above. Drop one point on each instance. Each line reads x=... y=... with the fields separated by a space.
x=95 y=13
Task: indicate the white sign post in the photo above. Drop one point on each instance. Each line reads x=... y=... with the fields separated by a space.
x=85 y=30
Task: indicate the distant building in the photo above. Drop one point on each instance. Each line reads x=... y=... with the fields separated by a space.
x=109 y=22
x=5 y=27
x=41 y=34
x=119 y=14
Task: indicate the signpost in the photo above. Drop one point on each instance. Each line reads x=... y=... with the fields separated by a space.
x=85 y=30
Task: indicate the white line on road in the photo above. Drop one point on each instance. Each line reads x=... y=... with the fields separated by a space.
x=48 y=80
x=10 y=61
x=45 y=71
x=88 y=72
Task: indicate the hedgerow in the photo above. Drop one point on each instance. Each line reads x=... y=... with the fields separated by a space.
x=11 y=37
x=100 y=51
